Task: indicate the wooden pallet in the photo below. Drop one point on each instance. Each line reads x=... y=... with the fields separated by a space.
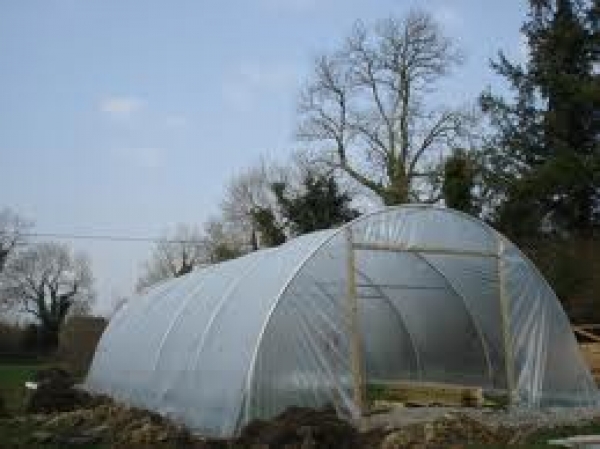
x=427 y=393
x=591 y=354
x=590 y=332
x=591 y=349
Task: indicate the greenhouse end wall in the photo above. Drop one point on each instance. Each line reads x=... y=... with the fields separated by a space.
x=441 y=297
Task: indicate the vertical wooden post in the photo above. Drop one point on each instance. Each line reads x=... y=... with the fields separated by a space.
x=356 y=349
x=506 y=329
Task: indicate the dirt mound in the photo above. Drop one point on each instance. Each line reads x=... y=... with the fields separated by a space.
x=3 y=410
x=123 y=427
x=54 y=375
x=55 y=393
x=114 y=424
x=300 y=428
x=118 y=427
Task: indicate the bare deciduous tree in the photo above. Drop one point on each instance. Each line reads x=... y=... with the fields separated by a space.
x=224 y=241
x=372 y=101
x=246 y=193
x=12 y=230
x=251 y=194
x=175 y=255
x=48 y=281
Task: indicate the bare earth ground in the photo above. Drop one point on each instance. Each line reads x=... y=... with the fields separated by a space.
x=61 y=417
x=104 y=424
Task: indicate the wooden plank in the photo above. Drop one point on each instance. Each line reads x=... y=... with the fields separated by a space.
x=356 y=347
x=505 y=317
x=591 y=354
x=582 y=330
x=376 y=246
x=427 y=393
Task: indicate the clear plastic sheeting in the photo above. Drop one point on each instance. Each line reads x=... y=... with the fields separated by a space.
x=441 y=297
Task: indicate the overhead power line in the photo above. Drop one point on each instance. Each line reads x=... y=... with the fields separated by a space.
x=103 y=237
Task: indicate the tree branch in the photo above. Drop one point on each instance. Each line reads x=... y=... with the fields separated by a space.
x=446 y=124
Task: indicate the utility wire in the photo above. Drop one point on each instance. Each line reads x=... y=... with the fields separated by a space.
x=105 y=237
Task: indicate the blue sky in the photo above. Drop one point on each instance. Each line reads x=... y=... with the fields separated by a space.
x=126 y=117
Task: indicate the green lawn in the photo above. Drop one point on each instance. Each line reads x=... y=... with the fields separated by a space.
x=12 y=380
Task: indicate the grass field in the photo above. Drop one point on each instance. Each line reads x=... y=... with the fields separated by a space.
x=12 y=380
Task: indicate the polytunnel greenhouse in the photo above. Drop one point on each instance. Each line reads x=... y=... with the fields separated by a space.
x=415 y=293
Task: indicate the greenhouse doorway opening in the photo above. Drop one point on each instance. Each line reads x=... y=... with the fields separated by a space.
x=372 y=302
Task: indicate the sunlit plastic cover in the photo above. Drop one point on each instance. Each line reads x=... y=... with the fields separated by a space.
x=442 y=298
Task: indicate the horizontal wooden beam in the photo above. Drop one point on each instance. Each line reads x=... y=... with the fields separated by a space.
x=427 y=393
x=336 y=284
x=404 y=286
x=581 y=330
x=368 y=246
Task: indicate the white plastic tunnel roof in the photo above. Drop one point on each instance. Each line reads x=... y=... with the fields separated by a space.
x=441 y=297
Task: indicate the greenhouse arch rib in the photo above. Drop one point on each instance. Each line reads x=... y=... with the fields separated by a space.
x=176 y=319
x=222 y=300
x=388 y=210
x=250 y=372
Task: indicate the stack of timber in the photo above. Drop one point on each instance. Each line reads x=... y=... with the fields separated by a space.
x=589 y=336
x=427 y=394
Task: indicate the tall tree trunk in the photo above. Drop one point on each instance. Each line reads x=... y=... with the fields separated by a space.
x=397 y=192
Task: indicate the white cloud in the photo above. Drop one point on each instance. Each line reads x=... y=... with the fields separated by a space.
x=144 y=157
x=121 y=107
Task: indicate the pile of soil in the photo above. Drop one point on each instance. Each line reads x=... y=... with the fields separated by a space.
x=3 y=410
x=102 y=420
x=107 y=422
x=124 y=427
x=300 y=428
x=55 y=393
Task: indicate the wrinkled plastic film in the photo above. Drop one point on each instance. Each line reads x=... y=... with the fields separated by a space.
x=187 y=353
x=549 y=368
x=248 y=338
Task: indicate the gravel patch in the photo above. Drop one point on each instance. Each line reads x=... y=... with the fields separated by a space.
x=398 y=417
x=540 y=418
